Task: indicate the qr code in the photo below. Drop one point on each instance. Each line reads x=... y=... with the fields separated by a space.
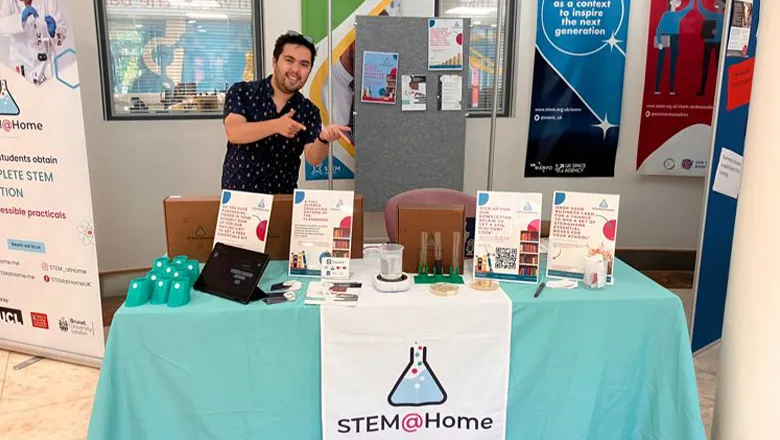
x=506 y=258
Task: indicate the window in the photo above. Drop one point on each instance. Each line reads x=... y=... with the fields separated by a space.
x=175 y=58
x=484 y=23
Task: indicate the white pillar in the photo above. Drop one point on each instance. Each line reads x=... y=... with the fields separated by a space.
x=748 y=399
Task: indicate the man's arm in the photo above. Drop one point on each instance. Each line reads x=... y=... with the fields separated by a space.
x=240 y=132
x=315 y=152
x=687 y=8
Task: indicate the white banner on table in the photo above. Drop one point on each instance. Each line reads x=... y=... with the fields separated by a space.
x=243 y=220
x=508 y=230
x=49 y=290
x=321 y=227
x=412 y=365
x=582 y=225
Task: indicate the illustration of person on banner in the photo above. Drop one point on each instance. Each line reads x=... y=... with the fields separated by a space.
x=712 y=33
x=667 y=39
x=35 y=28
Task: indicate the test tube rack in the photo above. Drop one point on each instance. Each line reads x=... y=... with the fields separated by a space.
x=425 y=277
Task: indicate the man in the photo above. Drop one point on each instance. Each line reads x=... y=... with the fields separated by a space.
x=712 y=41
x=269 y=124
x=667 y=36
x=35 y=28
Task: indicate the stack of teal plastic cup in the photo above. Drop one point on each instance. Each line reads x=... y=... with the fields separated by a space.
x=179 y=293
x=139 y=292
x=160 y=291
x=169 y=282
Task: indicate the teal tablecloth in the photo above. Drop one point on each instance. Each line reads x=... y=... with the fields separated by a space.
x=610 y=365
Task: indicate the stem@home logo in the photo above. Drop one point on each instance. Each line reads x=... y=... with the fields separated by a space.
x=8 y=106
x=418 y=385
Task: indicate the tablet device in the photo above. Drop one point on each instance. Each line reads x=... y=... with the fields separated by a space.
x=233 y=273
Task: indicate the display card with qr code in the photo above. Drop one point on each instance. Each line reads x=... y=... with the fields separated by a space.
x=507 y=235
x=335 y=268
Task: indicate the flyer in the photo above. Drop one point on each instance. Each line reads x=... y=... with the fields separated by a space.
x=321 y=228
x=741 y=24
x=582 y=225
x=413 y=97
x=380 y=74
x=445 y=44
x=451 y=97
x=508 y=228
x=243 y=220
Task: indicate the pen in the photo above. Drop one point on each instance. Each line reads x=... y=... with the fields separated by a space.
x=539 y=290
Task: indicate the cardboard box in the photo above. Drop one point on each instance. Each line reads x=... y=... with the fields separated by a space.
x=191 y=222
x=414 y=219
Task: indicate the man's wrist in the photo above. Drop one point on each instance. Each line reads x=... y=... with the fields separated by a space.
x=321 y=140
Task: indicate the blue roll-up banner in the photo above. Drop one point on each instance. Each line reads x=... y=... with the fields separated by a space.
x=577 y=88
x=721 y=209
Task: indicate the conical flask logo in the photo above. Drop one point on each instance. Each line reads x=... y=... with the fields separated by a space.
x=8 y=106
x=418 y=385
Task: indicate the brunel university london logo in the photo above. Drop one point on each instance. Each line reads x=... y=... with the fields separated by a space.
x=417 y=387
x=76 y=327
x=10 y=107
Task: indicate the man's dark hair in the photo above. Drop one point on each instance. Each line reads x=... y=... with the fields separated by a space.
x=296 y=40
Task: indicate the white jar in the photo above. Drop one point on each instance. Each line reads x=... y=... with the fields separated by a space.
x=595 y=272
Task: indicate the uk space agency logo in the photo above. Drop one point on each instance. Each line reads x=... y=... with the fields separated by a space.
x=418 y=385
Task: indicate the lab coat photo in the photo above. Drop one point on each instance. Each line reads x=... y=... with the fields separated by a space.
x=32 y=34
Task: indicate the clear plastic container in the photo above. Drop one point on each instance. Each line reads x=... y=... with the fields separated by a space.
x=391 y=257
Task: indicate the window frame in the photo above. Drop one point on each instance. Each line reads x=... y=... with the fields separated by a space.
x=106 y=73
x=510 y=12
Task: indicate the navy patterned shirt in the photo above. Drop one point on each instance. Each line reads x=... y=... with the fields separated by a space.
x=270 y=165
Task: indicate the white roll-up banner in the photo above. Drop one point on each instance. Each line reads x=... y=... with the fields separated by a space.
x=49 y=290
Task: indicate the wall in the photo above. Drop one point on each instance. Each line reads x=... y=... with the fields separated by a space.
x=134 y=165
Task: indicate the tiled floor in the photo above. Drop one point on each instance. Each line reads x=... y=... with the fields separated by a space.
x=46 y=400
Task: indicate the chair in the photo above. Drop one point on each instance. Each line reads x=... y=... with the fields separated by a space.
x=438 y=196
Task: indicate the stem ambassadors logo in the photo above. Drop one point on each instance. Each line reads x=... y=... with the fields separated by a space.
x=9 y=107
x=417 y=386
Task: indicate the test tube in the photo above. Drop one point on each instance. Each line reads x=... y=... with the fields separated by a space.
x=423 y=251
x=457 y=241
x=438 y=253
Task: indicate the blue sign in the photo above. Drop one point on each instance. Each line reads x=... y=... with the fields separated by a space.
x=720 y=210
x=577 y=88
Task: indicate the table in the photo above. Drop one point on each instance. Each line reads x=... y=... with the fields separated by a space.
x=606 y=365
